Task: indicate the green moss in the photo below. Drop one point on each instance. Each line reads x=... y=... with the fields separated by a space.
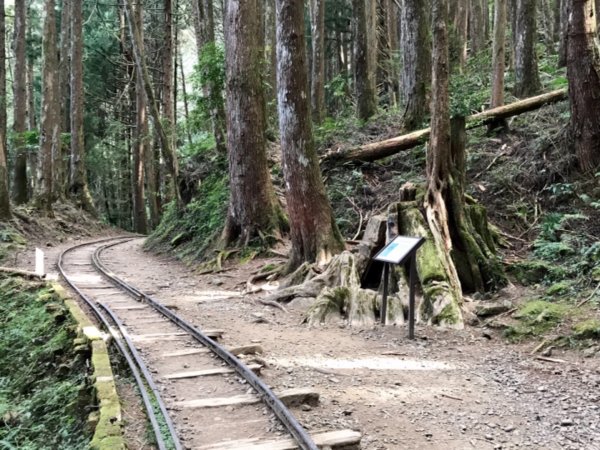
x=536 y=271
x=588 y=329
x=48 y=396
x=450 y=315
x=541 y=311
x=560 y=288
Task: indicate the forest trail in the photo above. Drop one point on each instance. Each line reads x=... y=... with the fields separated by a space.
x=445 y=390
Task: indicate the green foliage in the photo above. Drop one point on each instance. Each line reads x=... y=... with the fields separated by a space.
x=470 y=91
x=41 y=403
x=209 y=76
x=191 y=232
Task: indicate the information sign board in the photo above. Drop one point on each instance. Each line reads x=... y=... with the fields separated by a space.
x=398 y=250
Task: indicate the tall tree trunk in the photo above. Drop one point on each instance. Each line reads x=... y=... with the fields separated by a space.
x=271 y=57
x=458 y=47
x=204 y=26
x=459 y=246
x=50 y=124
x=184 y=93
x=527 y=79
x=5 y=213
x=477 y=26
x=167 y=148
x=31 y=111
x=498 y=57
x=564 y=25
x=315 y=236
x=168 y=107
x=20 y=184
x=78 y=186
x=253 y=212
x=583 y=72
x=317 y=94
x=140 y=145
x=416 y=60
x=364 y=70
x=61 y=172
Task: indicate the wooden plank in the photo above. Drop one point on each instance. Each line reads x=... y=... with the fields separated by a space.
x=290 y=397
x=129 y=308
x=252 y=349
x=207 y=372
x=347 y=439
x=192 y=351
x=158 y=337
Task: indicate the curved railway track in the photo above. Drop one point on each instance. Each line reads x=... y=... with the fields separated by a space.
x=191 y=386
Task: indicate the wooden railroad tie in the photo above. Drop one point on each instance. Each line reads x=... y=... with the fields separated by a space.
x=342 y=439
x=252 y=349
x=289 y=397
x=207 y=372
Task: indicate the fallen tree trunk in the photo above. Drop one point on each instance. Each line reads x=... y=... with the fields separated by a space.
x=378 y=150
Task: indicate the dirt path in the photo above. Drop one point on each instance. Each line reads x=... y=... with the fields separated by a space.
x=446 y=390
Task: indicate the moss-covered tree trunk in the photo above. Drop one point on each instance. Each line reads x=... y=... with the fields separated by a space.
x=468 y=262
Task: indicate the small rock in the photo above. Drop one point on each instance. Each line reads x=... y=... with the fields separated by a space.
x=509 y=428
x=566 y=422
x=489 y=437
x=305 y=407
x=334 y=380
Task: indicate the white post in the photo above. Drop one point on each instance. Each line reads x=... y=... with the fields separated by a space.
x=39 y=262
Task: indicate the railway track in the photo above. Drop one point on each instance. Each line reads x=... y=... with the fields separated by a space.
x=197 y=393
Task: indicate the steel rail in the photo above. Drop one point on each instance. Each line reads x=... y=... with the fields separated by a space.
x=147 y=376
x=302 y=438
x=132 y=365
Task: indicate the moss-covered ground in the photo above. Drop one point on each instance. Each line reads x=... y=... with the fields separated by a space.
x=44 y=393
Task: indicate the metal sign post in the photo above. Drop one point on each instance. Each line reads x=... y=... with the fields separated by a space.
x=400 y=250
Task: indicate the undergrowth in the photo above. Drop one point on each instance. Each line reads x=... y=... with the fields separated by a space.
x=189 y=233
x=43 y=389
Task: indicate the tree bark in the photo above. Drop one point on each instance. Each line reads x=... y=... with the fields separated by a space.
x=314 y=233
x=317 y=93
x=527 y=79
x=50 y=124
x=416 y=58
x=168 y=107
x=140 y=145
x=168 y=151
x=5 y=213
x=253 y=212
x=583 y=72
x=438 y=169
x=458 y=47
x=61 y=175
x=78 y=186
x=477 y=26
x=365 y=46
x=564 y=25
x=498 y=59
x=20 y=184
x=382 y=149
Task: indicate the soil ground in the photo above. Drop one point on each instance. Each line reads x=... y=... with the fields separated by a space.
x=445 y=390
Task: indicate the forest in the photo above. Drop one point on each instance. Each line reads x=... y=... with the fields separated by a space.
x=210 y=125
x=305 y=135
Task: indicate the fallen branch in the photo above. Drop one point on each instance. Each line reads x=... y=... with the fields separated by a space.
x=584 y=301
x=273 y=304
x=552 y=360
x=22 y=273
x=378 y=150
x=451 y=397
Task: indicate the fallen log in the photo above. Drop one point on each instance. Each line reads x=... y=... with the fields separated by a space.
x=378 y=150
x=22 y=273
